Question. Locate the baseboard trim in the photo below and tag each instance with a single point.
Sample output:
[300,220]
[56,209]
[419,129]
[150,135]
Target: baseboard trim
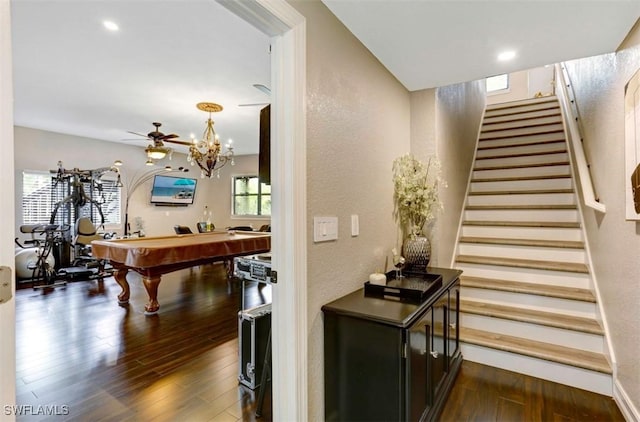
[626,406]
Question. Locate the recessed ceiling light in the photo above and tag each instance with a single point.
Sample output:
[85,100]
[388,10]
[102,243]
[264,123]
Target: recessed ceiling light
[506,55]
[111,26]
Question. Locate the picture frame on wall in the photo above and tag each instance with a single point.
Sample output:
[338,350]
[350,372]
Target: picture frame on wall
[632,147]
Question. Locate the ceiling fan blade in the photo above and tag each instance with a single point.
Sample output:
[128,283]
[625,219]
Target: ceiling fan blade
[253,104]
[139,134]
[262,88]
[169,136]
[187,143]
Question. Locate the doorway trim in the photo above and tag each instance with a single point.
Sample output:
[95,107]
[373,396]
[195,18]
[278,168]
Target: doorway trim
[7,215]
[287,29]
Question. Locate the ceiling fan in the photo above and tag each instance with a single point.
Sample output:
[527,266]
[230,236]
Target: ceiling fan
[156,136]
[157,150]
[262,88]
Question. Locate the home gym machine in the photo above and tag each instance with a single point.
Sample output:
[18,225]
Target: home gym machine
[81,205]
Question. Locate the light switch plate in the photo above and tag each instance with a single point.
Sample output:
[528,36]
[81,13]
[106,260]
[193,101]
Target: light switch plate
[325,229]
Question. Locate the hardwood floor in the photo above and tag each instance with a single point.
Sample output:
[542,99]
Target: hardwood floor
[483,393]
[97,361]
[77,348]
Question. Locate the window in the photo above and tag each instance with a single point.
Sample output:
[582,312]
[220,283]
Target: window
[250,197]
[497,83]
[41,193]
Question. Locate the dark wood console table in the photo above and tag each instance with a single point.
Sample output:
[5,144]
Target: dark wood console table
[391,360]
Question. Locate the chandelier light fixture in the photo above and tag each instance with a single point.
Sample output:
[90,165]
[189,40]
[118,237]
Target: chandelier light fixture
[206,152]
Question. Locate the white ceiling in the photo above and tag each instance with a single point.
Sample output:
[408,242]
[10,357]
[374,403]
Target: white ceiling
[431,43]
[73,76]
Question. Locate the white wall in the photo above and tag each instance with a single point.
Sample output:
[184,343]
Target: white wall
[357,123]
[41,150]
[599,84]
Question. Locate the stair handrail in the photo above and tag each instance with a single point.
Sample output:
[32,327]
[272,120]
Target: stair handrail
[569,106]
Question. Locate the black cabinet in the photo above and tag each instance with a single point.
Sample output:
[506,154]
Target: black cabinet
[388,360]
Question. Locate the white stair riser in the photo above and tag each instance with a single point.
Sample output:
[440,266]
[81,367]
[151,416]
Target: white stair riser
[525,149]
[523,252]
[537,233]
[522,172]
[529,275]
[567,338]
[522,199]
[514,185]
[532,301]
[564,374]
[518,140]
[488,126]
[564,216]
[527,115]
[522,131]
[520,161]
[523,106]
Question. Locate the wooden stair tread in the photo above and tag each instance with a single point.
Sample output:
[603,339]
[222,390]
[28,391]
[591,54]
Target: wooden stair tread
[546,351]
[561,292]
[521,207]
[535,316]
[526,123]
[520,178]
[522,103]
[565,244]
[523,154]
[541,224]
[552,110]
[540,130]
[558,140]
[521,192]
[571,267]
[522,166]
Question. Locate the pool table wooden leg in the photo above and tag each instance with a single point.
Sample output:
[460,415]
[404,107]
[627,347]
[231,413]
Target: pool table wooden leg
[151,285]
[121,278]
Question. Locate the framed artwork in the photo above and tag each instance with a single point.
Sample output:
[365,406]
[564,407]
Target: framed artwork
[632,147]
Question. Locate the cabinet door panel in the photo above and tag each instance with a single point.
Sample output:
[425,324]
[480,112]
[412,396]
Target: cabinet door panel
[454,317]
[438,352]
[418,367]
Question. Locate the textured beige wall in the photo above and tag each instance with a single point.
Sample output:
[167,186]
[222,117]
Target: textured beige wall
[615,243]
[445,123]
[87,153]
[423,123]
[459,111]
[357,123]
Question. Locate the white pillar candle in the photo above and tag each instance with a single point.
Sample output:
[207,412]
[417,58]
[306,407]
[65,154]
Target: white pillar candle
[378,278]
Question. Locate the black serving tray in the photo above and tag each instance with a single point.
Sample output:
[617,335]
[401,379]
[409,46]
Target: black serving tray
[413,287]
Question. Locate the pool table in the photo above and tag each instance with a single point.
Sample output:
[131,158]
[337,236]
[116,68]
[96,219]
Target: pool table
[152,257]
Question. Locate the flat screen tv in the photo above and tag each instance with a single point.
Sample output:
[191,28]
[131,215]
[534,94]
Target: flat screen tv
[171,190]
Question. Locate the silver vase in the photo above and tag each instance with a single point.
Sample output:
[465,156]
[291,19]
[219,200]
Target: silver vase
[417,252]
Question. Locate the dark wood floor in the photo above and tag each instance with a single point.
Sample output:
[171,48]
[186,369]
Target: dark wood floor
[77,348]
[483,393]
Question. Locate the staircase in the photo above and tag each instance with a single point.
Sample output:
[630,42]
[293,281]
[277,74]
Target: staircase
[526,298]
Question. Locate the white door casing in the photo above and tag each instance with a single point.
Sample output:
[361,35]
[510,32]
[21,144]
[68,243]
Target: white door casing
[287,29]
[7,308]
